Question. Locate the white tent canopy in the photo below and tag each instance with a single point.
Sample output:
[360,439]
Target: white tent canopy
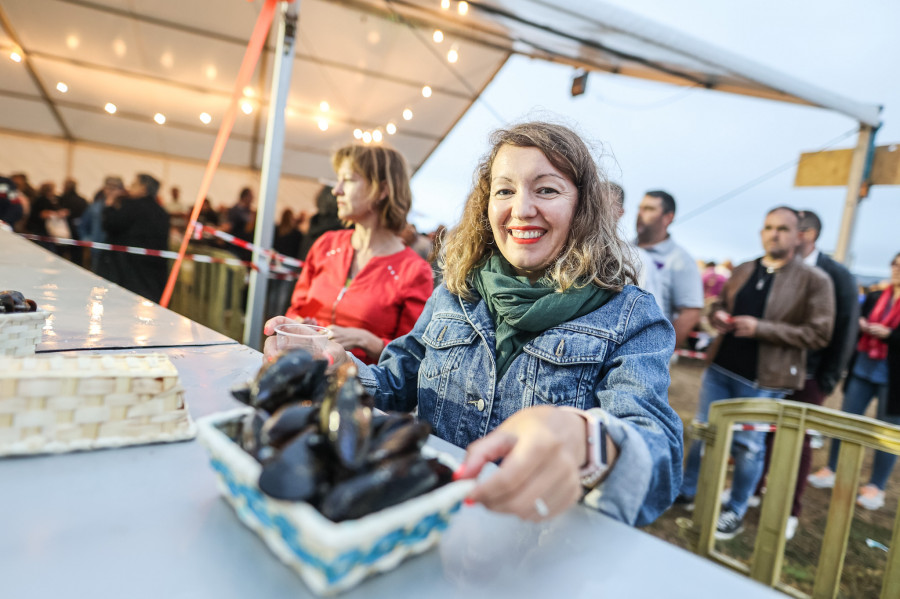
[368,59]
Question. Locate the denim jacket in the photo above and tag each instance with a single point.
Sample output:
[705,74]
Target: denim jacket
[615,358]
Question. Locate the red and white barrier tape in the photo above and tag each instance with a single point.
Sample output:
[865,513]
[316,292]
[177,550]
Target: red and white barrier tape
[687,353]
[229,238]
[276,274]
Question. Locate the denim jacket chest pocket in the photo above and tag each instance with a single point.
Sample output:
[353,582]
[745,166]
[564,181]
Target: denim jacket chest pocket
[564,367]
[441,387]
[444,338]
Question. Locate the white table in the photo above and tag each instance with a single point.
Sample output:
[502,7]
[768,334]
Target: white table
[87,311]
[147,522]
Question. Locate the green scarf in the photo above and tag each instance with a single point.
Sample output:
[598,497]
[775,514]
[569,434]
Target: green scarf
[522,311]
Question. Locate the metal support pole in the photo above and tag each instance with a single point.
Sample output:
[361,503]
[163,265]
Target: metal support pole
[271,171]
[862,156]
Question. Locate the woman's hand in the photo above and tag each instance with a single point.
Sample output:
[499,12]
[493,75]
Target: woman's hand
[352,338]
[543,450]
[270,347]
[879,330]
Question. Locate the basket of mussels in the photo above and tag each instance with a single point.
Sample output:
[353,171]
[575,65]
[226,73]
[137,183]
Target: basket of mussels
[335,488]
[21,324]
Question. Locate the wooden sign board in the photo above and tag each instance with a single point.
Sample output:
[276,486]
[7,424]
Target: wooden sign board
[833,167]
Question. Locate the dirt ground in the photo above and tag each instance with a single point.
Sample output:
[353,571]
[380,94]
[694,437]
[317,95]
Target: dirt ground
[863,567]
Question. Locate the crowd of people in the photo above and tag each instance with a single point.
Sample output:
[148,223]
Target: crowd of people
[535,333]
[116,215]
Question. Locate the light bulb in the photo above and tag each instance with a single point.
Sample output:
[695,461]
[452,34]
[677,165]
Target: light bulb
[357,133]
[62,87]
[367,137]
[426,91]
[391,128]
[438,36]
[462,8]
[445,4]
[15,56]
[160,118]
[323,124]
[324,106]
[110,108]
[205,118]
[452,55]
[407,114]
[377,135]
[247,107]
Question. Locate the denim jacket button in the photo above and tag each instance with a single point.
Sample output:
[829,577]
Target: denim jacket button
[480,405]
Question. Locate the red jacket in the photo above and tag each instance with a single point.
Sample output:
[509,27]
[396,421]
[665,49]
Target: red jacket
[386,297]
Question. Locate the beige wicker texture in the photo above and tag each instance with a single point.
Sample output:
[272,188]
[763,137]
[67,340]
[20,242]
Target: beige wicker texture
[52,404]
[20,332]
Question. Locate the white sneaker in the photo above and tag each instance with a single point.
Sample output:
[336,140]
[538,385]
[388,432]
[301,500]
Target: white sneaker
[870,497]
[822,479]
[791,528]
[754,500]
[816,440]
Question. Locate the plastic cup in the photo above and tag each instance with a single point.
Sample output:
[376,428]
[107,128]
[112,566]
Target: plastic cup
[309,337]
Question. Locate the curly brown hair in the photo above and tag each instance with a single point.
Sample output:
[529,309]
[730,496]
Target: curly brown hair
[594,252]
[383,168]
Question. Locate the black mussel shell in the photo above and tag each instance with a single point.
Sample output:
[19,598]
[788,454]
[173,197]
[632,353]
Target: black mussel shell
[379,419]
[14,301]
[397,437]
[443,471]
[242,393]
[345,420]
[251,427]
[297,473]
[9,299]
[294,376]
[288,421]
[392,482]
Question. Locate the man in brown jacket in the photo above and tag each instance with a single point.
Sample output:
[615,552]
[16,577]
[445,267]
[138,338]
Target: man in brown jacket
[771,311]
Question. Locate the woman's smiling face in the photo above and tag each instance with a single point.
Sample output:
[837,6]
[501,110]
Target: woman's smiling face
[530,209]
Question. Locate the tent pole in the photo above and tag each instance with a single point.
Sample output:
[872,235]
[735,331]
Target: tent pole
[271,171]
[862,156]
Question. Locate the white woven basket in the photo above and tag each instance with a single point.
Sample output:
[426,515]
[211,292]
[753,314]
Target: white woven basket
[330,557]
[54,403]
[20,332]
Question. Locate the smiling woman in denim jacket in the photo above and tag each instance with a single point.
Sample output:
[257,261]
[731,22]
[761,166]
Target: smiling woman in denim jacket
[536,313]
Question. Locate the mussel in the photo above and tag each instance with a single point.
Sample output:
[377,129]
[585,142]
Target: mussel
[298,472]
[400,434]
[13,301]
[392,482]
[294,376]
[345,417]
[288,421]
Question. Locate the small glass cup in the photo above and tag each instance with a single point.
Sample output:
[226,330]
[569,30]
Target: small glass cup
[310,337]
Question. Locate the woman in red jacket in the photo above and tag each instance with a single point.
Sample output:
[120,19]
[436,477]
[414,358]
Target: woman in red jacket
[874,373]
[363,283]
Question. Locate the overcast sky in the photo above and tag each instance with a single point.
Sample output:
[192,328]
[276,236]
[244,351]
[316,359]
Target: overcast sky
[701,145]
